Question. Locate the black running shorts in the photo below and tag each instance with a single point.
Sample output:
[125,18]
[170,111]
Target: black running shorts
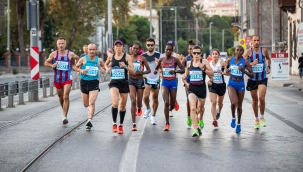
[153,86]
[121,85]
[138,83]
[253,85]
[198,90]
[219,89]
[89,85]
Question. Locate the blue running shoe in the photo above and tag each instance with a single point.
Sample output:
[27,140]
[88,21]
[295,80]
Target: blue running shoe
[233,123]
[238,128]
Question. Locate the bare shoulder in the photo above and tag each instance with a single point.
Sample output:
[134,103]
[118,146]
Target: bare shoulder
[205,61]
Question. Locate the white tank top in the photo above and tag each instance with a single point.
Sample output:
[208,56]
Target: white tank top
[217,78]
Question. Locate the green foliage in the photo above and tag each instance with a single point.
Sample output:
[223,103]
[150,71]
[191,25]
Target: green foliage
[15,71]
[231,51]
[182,46]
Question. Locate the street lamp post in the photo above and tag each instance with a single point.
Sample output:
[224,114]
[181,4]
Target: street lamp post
[150,19]
[176,43]
[161,30]
[8,25]
[210,47]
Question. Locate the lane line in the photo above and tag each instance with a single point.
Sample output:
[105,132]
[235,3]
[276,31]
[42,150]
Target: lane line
[130,154]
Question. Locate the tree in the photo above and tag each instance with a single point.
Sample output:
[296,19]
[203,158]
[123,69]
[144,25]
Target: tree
[76,17]
[199,13]
[20,7]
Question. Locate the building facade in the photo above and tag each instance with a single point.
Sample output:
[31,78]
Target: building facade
[221,10]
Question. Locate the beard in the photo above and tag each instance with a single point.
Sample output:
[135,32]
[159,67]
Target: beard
[150,50]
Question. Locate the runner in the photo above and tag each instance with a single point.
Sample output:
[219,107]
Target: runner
[130,49]
[118,85]
[169,83]
[152,81]
[85,51]
[197,69]
[89,67]
[236,86]
[260,62]
[136,83]
[60,61]
[178,56]
[186,60]
[216,85]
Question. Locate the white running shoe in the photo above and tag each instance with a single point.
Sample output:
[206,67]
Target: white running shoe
[146,113]
[153,120]
[171,114]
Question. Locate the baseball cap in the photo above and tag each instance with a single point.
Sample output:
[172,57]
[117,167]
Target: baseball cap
[118,41]
[170,42]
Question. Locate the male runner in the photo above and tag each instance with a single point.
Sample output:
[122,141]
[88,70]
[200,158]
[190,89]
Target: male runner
[152,81]
[260,63]
[60,61]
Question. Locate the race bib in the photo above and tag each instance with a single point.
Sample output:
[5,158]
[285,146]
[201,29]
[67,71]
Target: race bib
[91,70]
[166,73]
[258,68]
[61,65]
[195,75]
[118,73]
[136,66]
[217,78]
[235,71]
[152,81]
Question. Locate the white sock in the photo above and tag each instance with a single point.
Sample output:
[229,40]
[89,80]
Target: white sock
[134,124]
[89,119]
[262,116]
[64,116]
[257,118]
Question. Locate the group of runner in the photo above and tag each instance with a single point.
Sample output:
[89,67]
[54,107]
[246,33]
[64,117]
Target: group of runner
[139,76]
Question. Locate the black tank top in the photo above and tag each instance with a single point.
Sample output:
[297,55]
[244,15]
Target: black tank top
[119,73]
[196,75]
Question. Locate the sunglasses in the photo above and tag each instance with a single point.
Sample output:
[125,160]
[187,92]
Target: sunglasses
[196,52]
[150,45]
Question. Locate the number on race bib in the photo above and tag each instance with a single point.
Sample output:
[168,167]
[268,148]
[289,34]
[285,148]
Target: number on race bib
[62,65]
[235,71]
[217,78]
[166,72]
[258,68]
[118,73]
[92,71]
[195,76]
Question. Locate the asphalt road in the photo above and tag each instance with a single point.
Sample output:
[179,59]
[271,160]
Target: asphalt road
[277,147]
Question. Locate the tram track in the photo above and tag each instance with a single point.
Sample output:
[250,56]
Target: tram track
[59,140]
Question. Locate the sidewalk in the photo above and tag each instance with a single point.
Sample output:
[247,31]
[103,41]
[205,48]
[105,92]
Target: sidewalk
[24,75]
[294,81]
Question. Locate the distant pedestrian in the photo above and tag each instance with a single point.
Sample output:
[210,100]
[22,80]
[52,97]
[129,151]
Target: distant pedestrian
[85,51]
[301,65]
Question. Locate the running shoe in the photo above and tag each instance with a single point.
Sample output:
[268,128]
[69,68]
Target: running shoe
[138,112]
[120,129]
[215,123]
[201,124]
[134,127]
[233,123]
[64,120]
[89,125]
[195,133]
[146,113]
[263,122]
[238,128]
[189,123]
[166,128]
[218,115]
[200,132]
[257,124]
[176,106]
[115,128]
[153,120]
[171,114]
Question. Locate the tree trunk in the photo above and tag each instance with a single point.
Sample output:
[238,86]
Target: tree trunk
[41,21]
[71,38]
[20,28]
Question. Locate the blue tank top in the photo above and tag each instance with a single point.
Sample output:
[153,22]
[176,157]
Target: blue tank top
[260,68]
[92,67]
[233,68]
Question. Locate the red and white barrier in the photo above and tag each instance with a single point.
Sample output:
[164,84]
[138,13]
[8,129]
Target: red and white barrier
[34,60]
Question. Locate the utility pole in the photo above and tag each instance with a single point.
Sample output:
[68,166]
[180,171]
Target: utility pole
[161,31]
[8,25]
[272,27]
[222,40]
[197,31]
[176,43]
[150,19]
[109,26]
[241,7]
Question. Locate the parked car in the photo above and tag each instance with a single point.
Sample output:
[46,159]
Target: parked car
[223,56]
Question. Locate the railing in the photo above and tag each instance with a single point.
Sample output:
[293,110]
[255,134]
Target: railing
[31,87]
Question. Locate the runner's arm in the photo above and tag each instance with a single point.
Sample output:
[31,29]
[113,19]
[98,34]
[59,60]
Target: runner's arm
[48,61]
[102,66]
[78,65]
[147,71]
[207,69]
[74,56]
[268,60]
[158,64]
[248,67]
[181,66]
[108,60]
[130,66]
[185,75]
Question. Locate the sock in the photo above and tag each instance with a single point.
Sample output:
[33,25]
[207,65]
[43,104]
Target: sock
[195,127]
[262,116]
[201,118]
[122,115]
[64,116]
[89,119]
[257,118]
[134,123]
[153,115]
[114,114]
[139,110]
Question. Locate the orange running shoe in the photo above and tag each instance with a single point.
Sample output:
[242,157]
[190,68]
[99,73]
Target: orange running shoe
[134,127]
[120,129]
[176,106]
[115,128]
[166,128]
[139,113]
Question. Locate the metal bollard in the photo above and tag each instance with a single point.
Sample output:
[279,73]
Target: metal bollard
[74,84]
[77,82]
[44,88]
[22,89]
[36,91]
[21,99]
[10,95]
[0,105]
[51,88]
